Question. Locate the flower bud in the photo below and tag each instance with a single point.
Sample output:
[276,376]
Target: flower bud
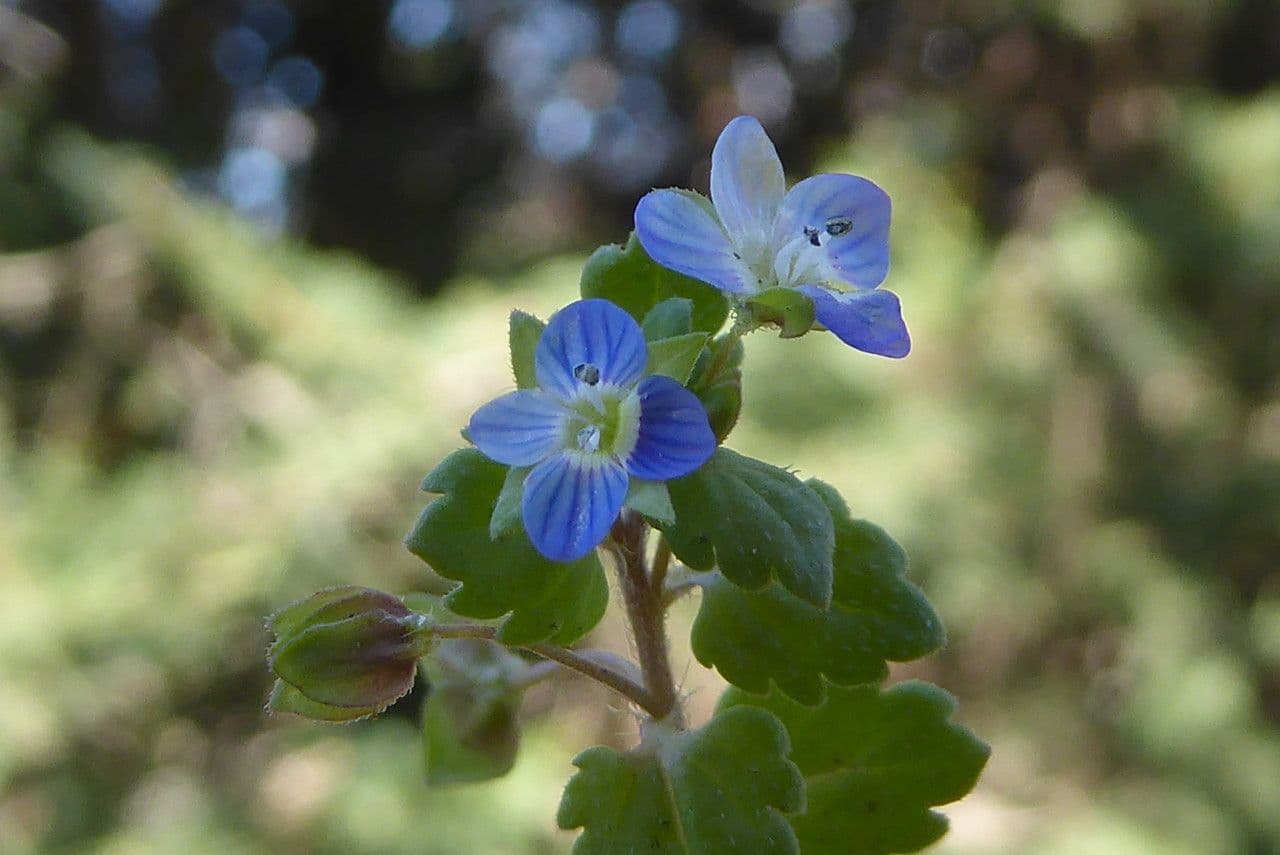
[343,653]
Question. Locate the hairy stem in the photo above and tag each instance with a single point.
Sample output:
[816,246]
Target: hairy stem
[661,563]
[645,613]
[598,671]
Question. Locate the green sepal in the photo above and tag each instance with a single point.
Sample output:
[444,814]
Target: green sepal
[669,318]
[523,332]
[721,395]
[790,309]
[716,790]
[287,699]
[874,763]
[507,511]
[469,722]
[628,277]
[758,522]
[547,600]
[675,357]
[652,499]
[876,616]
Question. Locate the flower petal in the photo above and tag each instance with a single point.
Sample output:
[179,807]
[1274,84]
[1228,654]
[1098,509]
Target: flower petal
[675,437]
[680,231]
[747,184]
[518,429]
[589,333]
[870,321]
[849,218]
[570,501]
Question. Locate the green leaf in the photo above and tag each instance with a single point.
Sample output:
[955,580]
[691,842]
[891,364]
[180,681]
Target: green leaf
[547,600]
[716,790]
[669,318]
[507,512]
[628,277]
[790,309]
[753,637]
[651,499]
[286,699]
[874,763]
[758,522]
[469,721]
[523,333]
[675,357]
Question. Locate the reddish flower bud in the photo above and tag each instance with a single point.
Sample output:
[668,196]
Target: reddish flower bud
[343,653]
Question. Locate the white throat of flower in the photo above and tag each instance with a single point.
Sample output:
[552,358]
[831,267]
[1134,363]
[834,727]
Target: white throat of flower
[602,419]
[794,260]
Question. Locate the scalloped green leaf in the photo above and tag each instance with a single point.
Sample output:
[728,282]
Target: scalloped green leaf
[876,616]
[874,763]
[546,600]
[716,790]
[469,722]
[628,277]
[523,332]
[675,357]
[757,522]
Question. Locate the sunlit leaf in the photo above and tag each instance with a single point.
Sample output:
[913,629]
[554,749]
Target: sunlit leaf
[754,637]
[758,522]
[546,599]
[874,763]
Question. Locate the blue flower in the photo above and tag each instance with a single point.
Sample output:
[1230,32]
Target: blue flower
[828,236]
[590,426]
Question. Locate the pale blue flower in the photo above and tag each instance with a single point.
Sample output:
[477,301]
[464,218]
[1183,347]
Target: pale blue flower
[594,422]
[827,236]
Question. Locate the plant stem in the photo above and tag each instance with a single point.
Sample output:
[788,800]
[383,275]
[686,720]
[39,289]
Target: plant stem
[598,671]
[645,613]
[661,562]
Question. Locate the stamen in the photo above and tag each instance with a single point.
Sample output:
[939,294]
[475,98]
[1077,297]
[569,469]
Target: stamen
[587,373]
[837,226]
[812,234]
[589,438]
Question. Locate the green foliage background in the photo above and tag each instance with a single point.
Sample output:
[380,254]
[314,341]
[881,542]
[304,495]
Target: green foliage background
[1081,457]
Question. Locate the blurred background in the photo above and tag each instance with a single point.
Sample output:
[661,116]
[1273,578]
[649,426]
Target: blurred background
[256,259]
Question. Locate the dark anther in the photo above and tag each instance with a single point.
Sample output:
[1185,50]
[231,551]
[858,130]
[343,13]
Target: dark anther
[837,226]
[587,373]
[812,234]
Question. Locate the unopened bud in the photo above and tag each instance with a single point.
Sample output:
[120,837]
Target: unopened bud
[351,651]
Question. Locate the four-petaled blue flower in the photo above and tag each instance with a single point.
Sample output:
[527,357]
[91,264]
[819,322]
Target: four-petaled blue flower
[592,424]
[828,237]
